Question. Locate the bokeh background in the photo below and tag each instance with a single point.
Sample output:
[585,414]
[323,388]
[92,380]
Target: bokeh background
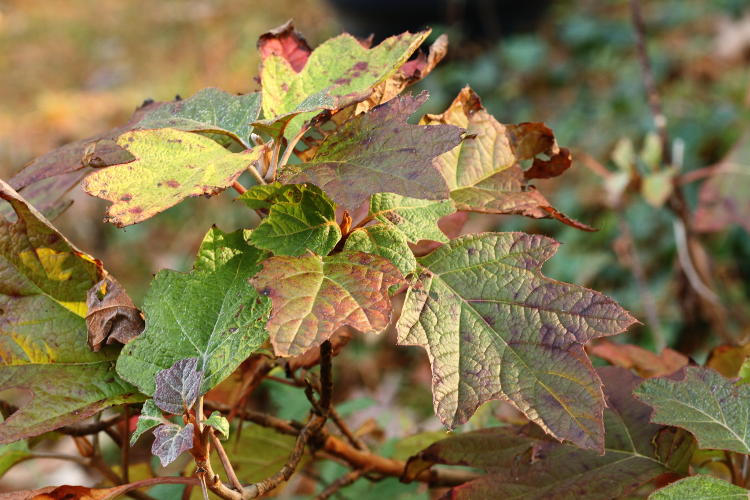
[71,68]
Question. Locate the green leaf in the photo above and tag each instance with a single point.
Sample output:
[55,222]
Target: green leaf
[43,336]
[416,219]
[170,165]
[713,408]
[378,152]
[260,453]
[149,418]
[523,463]
[178,387]
[209,110]
[314,296]
[171,440]
[483,173]
[340,66]
[218,248]
[12,453]
[385,241]
[701,487]
[306,223]
[214,315]
[263,196]
[219,423]
[518,336]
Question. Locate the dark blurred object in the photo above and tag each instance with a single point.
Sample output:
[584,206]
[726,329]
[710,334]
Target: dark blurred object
[476,20]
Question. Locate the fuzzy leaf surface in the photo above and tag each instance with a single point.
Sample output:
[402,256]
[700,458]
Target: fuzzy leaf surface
[701,487]
[483,172]
[171,440]
[416,219]
[170,165]
[713,408]
[340,66]
[218,248]
[219,423]
[519,336]
[305,223]
[385,241]
[314,296]
[379,152]
[149,418]
[43,336]
[178,387]
[522,463]
[213,315]
[209,110]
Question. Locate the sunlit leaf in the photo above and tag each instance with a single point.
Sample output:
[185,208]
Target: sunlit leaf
[495,327]
[701,487]
[314,296]
[219,423]
[644,362]
[170,165]
[416,219]
[384,241]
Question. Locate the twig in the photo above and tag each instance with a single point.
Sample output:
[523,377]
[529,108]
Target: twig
[239,188]
[271,174]
[125,446]
[326,376]
[225,462]
[89,428]
[339,483]
[291,145]
[348,434]
[691,273]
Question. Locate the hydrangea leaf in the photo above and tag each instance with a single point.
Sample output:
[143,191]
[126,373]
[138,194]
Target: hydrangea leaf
[523,463]
[305,223]
[218,248]
[170,165]
[713,408]
[214,315]
[149,418]
[263,196]
[701,487]
[209,110]
[171,440]
[385,241]
[261,452]
[340,66]
[286,42]
[43,335]
[483,172]
[519,336]
[12,453]
[178,387]
[314,296]
[219,423]
[416,219]
[379,152]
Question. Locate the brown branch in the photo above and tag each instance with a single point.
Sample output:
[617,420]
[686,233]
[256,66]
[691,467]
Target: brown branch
[225,462]
[344,428]
[89,428]
[339,483]
[239,188]
[125,448]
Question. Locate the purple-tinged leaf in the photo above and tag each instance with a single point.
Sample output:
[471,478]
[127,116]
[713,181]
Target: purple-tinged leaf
[171,440]
[178,387]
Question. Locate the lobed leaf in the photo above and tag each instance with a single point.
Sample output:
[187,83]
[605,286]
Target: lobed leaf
[305,223]
[219,423]
[416,219]
[212,314]
[518,335]
[43,335]
[340,66]
[379,152]
[701,487]
[171,441]
[170,165]
[314,296]
[384,241]
[178,387]
[149,418]
[218,248]
[522,463]
[713,408]
[483,173]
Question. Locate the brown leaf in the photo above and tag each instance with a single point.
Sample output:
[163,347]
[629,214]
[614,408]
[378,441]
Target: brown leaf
[112,317]
[644,362]
[728,359]
[286,42]
[65,492]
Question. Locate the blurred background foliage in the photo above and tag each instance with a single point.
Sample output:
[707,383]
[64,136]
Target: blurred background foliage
[71,68]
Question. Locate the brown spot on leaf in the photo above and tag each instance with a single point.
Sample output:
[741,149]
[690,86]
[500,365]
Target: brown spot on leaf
[126,197]
[135,210]
[173,183]
[361,66]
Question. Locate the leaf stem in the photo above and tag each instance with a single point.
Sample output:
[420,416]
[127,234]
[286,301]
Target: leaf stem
[291,145]
[125,446]
[225,462]
[271,174]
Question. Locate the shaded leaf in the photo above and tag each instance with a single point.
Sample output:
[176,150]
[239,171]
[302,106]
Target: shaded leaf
[219,423]
[728,359]
[701,487]
[416,219]
[384,241]
[305,223]
[714,409]
[112,317]
[12,453]
[340,66]
[260,452]
[522,463]
[379,152]
[214,315]
[209,110]
[264,196]
[43,348]
[178,387]
[723,199]
[314,296]
[657,187]
[644,362]
[483,173]
[519,336]
[171,440]
[66,492]
[149,418]
[170,165]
